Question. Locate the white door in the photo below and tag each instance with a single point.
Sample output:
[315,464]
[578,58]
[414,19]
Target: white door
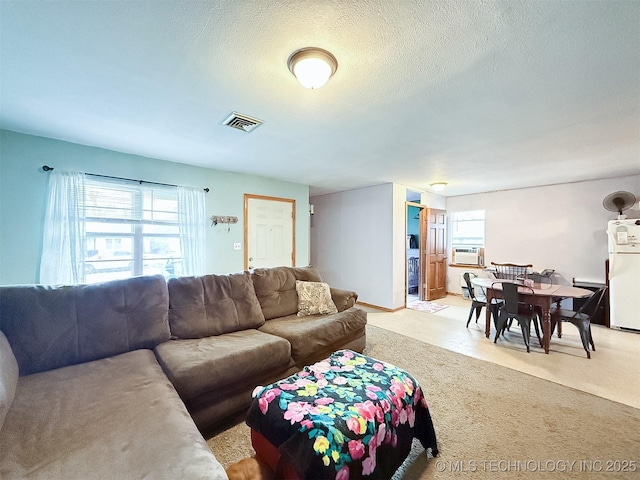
[269,232]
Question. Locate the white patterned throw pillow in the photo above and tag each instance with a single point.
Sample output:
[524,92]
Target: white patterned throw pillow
[314,298]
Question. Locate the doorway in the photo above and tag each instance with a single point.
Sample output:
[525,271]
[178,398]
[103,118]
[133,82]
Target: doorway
[413,252]
[269,234]
[434,252]
[425,264]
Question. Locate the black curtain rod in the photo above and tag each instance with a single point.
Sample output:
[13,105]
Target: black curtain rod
[47,168]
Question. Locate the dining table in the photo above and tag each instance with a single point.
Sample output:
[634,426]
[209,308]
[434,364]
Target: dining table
[544,294]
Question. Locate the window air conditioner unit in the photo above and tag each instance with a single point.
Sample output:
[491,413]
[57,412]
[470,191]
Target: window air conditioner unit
[466,255]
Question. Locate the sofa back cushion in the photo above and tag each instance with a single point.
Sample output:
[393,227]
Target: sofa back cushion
[212,305]
[8,377]
[276,288]
[50,327]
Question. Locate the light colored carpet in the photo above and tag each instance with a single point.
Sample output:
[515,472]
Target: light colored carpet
[494,422]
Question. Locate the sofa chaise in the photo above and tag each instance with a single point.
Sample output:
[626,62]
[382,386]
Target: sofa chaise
[120,379]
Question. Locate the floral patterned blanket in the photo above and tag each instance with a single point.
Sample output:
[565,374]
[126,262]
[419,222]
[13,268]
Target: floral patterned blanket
[348,416]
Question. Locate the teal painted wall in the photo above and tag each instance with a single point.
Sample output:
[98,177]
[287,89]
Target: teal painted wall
[413,223]
[23,190]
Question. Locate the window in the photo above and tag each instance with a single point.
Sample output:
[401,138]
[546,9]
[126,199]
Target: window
[98,230]
[130,230]
[467,229]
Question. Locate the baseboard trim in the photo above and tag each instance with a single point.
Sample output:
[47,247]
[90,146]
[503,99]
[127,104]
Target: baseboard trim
[377,307]
[391,310]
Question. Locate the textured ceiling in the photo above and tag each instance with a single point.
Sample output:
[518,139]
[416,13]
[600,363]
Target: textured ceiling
[483,95]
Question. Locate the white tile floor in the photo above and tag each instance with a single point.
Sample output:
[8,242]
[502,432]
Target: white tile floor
[613,372]
[412,298]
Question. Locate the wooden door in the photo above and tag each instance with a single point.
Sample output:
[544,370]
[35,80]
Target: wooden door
[269,232]
[422,289]
[435,224]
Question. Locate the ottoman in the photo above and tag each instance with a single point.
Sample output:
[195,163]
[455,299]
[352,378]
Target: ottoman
[348,416]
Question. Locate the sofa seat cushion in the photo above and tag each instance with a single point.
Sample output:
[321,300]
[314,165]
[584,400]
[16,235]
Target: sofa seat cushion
[212,305]
[198,366]
[276,288]
[311,334]
[119,417]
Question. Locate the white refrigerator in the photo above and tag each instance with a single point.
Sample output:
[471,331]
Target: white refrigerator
[624,273]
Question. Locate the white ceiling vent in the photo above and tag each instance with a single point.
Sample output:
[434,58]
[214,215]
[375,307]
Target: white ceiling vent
[241,122]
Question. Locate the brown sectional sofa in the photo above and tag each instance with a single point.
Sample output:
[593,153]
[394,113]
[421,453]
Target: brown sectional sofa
[312,338]
[118,380]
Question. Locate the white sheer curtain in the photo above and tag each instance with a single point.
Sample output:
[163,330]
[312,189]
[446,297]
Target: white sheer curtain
[192,221]
[63,241]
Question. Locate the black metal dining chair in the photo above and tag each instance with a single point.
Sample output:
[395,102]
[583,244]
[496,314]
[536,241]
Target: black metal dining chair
[514,308]
[511,271]
[479,300]
[581,318]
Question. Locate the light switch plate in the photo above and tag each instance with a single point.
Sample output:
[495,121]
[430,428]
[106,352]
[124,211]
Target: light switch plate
[237,246]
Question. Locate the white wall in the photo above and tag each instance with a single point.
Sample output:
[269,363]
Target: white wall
[352,244]
[430,200]
[558,226]
[433,200]
[358,241]
[399,245]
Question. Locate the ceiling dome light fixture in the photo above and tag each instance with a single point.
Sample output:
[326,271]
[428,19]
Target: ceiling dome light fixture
[313,67]
[438,186]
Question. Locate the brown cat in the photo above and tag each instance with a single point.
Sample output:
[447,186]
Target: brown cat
[250,469]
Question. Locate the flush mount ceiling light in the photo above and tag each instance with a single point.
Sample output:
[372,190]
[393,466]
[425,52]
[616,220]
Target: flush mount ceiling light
[438,186]
[312,66]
